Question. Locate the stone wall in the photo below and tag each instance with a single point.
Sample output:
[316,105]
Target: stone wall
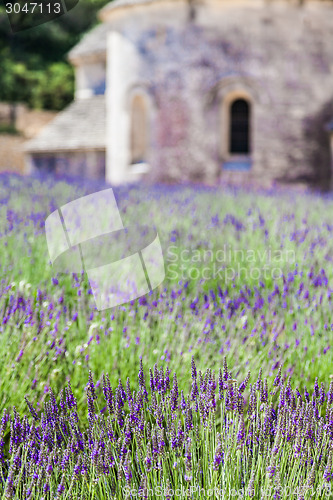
[279,54]
[90,79]
[89,164]
[28,123]
[11,153]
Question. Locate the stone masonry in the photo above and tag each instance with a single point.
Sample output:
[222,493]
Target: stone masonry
[191,60]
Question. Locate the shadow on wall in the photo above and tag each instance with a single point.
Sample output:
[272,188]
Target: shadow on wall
[319,152]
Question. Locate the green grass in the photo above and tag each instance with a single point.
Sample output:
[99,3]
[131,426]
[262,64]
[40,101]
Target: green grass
[248,278]
[169,332]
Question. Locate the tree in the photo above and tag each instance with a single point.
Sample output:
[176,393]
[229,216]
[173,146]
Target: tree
[34,68]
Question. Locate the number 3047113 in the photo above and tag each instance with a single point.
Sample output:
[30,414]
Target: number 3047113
[30,8]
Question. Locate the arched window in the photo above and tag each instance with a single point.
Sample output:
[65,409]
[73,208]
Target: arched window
[240,127]
[139,130]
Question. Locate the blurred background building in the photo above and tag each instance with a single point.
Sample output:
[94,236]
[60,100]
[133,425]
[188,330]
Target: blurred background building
[199,90]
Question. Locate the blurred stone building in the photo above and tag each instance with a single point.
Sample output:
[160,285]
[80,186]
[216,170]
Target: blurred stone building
[199,90]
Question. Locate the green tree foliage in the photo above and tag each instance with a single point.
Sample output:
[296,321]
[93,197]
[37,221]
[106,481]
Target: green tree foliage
[33,63]
[55,87]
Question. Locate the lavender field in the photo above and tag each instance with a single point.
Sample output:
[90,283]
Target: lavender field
[217,384]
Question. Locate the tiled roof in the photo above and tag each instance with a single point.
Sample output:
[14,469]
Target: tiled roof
[80,126]
[93,42]
[124,3]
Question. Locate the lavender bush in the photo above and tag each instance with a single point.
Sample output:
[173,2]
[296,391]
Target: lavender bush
[50,328]
[242,439]
[221,438]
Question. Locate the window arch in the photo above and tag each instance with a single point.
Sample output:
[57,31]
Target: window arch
[239,124]
[138,129]
[236,140]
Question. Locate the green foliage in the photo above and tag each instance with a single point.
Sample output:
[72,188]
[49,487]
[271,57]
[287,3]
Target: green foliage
[34,69]
[15,80]
[262,331]
[55,87]
[52,88]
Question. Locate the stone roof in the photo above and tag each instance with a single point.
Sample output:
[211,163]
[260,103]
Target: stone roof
[80,126]
[92,43]
[116,4]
